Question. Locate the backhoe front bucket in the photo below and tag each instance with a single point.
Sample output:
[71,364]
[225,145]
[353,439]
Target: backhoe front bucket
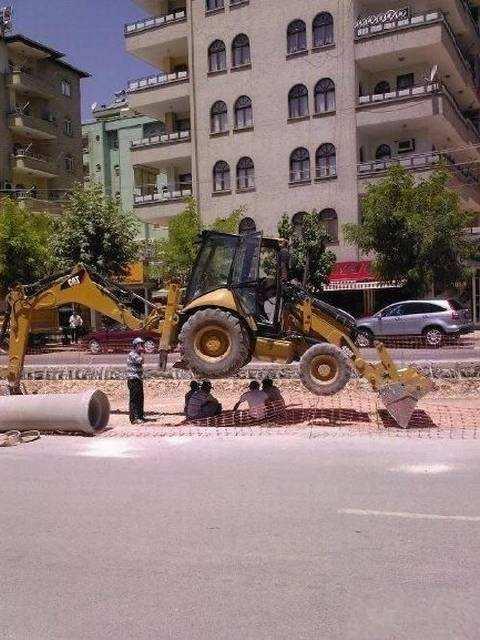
[399,389]
[401,398]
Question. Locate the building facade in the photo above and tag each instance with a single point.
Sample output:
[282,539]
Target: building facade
[285,107]
[40,123]
[107,151]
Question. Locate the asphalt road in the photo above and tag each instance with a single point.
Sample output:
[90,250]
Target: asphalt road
[254,538]
[468,351]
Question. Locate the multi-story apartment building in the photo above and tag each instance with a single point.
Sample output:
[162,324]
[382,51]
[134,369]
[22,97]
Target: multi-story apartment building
[40,123]
[294,106]
[107,151]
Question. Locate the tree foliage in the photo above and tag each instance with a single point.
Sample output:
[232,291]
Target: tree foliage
[415,230]
[25,245]
[95,231]
[310,262]
[176,254]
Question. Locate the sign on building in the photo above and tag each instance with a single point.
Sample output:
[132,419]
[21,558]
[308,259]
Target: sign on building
[392,15]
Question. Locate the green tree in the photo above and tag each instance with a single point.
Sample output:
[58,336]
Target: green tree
[95,231]
[310,262]
[415,230]
[25,245]
[176,254]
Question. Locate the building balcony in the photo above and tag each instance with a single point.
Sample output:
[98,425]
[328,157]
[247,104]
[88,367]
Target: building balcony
[28,84]
[49,201]
[32,126]
[429,107]
[154,205]
[154,95]
[424,38]
[161,149]
[148,39]
[464,179]
[459,15]
[34,164]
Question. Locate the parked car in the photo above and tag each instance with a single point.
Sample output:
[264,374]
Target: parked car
[433,320]
[118,339]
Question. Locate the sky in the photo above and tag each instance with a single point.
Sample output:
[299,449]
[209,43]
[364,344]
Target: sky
[90,33]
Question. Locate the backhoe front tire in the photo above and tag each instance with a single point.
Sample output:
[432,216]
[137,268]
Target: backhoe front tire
[214,343]
[324,369]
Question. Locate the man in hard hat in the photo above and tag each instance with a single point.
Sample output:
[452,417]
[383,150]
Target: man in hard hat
[135,381]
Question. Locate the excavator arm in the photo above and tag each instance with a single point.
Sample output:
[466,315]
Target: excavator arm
[79,287]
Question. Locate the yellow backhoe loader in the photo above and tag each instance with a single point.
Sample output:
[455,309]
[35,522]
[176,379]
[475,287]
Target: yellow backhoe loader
[238,305]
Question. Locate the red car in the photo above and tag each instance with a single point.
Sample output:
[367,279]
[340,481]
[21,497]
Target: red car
[118,339]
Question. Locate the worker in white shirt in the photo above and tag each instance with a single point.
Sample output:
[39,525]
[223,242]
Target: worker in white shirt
[256,400]
[76,323]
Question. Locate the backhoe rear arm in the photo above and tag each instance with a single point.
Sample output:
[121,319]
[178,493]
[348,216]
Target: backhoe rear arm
[77,287]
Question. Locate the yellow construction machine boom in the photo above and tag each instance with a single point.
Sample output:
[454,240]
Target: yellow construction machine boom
[78,287]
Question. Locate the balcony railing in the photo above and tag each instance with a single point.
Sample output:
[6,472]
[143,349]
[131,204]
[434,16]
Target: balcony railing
[23,153]
[44,195]
[417,162]
[417,20]
[158,80]
[165,138]
[297,176]
[418,91]
[156,22]
[325,172]
[32,82]
[153,194]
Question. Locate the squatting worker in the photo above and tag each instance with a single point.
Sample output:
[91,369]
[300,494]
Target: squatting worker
[256,400]
[194,386]
[135,381]
[275,399]
[203,404]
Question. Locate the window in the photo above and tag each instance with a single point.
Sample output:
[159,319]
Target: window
[243,113]
[66,88]
[68,127]
[211,5]
[324,96]
[245,174]
[326,161]
[240,51]
[323,30]
[116,169]
[382,87]
[298,101]
[383,152]
[419,308]
[296,36]
[406,81]
[247,225]
[221,176]
[297,222]
[329,219]
[218,117]
[69,163]
[300,165]
[112,139]
[217,56]
[98,168]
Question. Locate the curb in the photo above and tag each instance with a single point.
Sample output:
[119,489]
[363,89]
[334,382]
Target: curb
[435,370]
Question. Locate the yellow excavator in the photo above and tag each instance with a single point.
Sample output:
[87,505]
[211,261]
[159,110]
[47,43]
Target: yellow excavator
[238,305]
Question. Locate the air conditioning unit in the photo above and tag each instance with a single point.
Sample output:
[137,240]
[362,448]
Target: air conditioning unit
[406,146]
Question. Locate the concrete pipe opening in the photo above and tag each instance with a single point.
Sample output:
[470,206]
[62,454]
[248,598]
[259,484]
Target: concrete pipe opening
[98,411]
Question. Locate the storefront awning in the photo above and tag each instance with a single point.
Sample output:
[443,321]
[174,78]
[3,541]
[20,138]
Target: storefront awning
[356,276]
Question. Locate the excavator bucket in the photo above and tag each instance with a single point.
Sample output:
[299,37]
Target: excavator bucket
[399,389]
[401,398]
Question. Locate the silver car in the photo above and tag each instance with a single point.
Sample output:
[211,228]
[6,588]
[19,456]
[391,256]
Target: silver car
[433,320]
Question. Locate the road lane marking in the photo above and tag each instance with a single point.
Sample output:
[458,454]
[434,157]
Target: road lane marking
[424,468]
[407,515]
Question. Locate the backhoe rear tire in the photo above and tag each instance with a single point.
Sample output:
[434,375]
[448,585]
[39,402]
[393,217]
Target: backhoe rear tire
[214,343]
[324,369]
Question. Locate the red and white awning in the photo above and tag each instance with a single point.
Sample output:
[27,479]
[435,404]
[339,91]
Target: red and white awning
[356,276]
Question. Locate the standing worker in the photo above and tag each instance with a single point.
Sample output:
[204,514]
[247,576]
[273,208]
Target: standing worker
[76,323]
[135,381]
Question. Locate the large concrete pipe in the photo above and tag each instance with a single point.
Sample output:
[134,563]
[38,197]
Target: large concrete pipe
[87,412]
